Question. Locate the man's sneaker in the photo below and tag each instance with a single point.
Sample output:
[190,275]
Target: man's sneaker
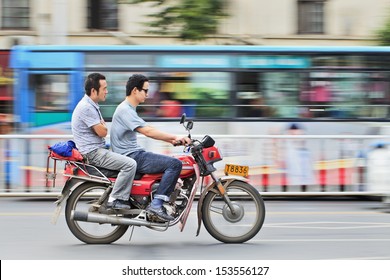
[160,212]
[118,204]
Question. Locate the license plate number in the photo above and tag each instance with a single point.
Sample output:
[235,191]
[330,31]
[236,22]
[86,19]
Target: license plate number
[233,169]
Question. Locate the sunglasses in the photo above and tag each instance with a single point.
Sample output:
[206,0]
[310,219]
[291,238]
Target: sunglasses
[144,89]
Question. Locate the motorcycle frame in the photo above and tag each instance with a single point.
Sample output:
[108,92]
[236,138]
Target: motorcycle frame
[73,181]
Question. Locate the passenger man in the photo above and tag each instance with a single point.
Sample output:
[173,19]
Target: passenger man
[89,130]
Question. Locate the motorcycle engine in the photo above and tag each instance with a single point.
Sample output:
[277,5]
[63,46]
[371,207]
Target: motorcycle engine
[142,200]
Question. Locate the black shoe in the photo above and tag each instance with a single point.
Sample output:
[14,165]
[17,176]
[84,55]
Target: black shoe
[161,213]
[118,204]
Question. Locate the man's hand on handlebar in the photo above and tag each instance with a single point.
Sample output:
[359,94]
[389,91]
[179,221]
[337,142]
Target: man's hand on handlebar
[182,141]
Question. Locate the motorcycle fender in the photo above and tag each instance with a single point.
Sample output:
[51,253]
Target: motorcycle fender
[212,187]
[65,193]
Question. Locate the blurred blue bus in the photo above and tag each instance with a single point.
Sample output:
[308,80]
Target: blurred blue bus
[228,85]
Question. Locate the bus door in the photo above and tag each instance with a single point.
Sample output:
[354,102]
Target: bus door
[269,94]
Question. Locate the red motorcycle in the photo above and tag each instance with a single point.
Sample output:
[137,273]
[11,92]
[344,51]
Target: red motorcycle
[231,209]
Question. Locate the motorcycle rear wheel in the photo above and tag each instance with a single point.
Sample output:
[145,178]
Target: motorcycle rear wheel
[241,226]
[82,199]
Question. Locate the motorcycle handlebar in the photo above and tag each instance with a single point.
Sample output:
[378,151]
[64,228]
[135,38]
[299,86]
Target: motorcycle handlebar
[183,143]
[178,143]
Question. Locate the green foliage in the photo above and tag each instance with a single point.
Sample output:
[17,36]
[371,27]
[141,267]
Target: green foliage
[188,19]
[383,34]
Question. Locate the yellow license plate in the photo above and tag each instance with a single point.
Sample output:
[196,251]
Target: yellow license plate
[233,169]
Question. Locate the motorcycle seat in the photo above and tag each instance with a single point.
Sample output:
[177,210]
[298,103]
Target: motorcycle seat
[109,173]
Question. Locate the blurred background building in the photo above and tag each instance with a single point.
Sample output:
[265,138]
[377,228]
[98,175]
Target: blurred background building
[263,65]
[257,22]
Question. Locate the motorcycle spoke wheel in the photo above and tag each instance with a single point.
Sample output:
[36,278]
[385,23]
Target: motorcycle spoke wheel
[236,226]
[82,199]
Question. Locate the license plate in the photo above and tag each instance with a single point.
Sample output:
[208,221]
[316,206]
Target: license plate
[233,169]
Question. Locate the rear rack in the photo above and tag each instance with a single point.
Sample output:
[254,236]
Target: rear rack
[72,169]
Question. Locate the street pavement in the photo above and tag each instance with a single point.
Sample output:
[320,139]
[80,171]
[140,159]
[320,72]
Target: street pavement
[294,229]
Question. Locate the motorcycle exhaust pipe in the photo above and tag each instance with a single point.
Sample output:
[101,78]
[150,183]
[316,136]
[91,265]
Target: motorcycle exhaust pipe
[105,219]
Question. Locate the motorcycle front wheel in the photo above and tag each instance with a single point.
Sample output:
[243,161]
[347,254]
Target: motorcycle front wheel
[82,199]
[238,226]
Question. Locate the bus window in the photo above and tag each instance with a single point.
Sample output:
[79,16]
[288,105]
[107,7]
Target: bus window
[376,89]
[269,94]
[116,93]
[51,92]
[198,94]
[347,94]
[249,96]
[281,92]
[210,92]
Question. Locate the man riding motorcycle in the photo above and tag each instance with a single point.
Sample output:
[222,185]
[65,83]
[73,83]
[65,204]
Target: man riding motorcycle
[125,125]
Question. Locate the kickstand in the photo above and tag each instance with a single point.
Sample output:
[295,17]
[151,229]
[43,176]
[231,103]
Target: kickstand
[131,234]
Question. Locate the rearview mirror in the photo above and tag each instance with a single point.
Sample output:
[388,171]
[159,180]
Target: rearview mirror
[183,118]
[190,124]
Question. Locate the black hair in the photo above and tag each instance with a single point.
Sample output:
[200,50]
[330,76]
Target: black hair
[135,81]
[93,81]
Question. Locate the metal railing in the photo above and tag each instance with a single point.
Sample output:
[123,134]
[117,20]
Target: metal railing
[323,164]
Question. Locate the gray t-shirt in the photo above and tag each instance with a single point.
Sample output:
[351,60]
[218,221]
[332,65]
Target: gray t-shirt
[84,117]
[123,135]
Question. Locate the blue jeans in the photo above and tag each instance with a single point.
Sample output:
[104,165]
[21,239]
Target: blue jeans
[114,161]
[149,163]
